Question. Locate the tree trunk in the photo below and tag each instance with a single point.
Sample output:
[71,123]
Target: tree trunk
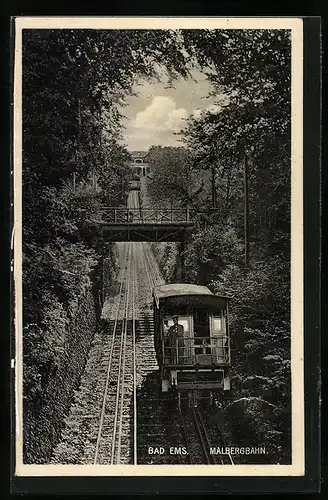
[246,211]
[213,187]
[228,190]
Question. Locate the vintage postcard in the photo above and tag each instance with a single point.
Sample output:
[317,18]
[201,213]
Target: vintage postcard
[158,246]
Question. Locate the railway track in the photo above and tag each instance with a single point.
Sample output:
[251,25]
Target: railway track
[195,439]
[131,355]
[121,411]
[157,412]
[217,438]
[203,436]
[114,444]
[196,429]
[200,437]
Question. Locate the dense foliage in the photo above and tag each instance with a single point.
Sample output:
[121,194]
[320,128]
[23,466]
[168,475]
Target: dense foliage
[74,82]
[250,76]
[170,180]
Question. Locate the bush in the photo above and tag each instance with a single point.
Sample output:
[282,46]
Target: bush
[260,294]
[211,249]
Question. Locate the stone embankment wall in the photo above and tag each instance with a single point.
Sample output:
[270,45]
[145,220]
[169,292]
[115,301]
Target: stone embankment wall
[44,422]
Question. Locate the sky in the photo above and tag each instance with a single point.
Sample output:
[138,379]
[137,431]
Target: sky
[158,112]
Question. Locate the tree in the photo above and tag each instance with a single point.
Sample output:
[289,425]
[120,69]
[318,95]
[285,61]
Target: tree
[171,181]
[74,82]
[246,65]
[250,74]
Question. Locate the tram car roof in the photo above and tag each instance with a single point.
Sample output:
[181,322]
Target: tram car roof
[187,290]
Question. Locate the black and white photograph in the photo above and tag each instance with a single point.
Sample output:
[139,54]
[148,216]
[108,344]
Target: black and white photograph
[158,246]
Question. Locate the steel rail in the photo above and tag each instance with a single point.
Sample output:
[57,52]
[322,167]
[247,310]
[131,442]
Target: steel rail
[121,375]
[121,365]
[185,434]
[151,268]
[102,413]
[224,446]
[132,303]
[135,204]
[220,456]
[120,402]
[154,264]
[134,358]
[146,266]
[203,436]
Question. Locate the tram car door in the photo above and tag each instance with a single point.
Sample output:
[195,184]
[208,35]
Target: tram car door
[185,351]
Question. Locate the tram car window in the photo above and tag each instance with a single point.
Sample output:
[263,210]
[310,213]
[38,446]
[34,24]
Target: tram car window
[192,339]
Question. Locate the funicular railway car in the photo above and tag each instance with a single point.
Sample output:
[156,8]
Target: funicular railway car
[192,340]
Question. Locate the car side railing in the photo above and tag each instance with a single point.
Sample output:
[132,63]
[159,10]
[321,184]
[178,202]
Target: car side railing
[214,350]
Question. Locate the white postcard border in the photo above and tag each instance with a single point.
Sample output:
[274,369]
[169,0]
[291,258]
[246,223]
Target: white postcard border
[297,307]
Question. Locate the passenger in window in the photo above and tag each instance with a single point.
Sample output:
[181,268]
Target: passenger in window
[176,339]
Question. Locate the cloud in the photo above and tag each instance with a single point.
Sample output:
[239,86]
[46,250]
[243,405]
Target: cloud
[197,113]
[212,108]
[161,115]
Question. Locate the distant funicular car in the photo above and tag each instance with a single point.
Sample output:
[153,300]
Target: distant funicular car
[196,358]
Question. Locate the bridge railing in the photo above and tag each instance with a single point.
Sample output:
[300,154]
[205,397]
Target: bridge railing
[120,215]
